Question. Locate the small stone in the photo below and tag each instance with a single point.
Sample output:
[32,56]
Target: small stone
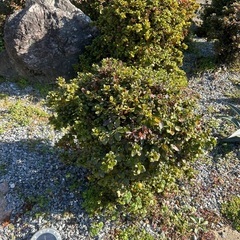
[12,185]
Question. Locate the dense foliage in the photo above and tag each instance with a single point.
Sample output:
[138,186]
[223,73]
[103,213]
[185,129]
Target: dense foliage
[231,210]
[133,128]
[6,8]
[221,21]
[143,33]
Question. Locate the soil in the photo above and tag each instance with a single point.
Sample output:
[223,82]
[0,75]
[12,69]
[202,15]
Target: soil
[227,233]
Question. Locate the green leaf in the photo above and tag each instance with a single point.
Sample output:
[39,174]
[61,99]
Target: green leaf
[118,136]
[234,108]
[233,120]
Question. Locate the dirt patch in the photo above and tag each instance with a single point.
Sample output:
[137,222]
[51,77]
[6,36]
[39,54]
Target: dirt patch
[227,233]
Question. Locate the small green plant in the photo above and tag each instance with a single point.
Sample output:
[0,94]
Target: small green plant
[235,137]
[36,204]
[231,210]
[3,96]
[22,83]
[2,130]
[179,222]
[96,228]
[20,113]
[133,233]
[23,114]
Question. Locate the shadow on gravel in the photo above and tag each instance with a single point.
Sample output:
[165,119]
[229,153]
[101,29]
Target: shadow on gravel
[232,100]
[40,185]
[226,148]
[199,57]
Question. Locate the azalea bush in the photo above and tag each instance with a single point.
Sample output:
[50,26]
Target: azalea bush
[128,117]
[143,33]
[221,22]
[133,128]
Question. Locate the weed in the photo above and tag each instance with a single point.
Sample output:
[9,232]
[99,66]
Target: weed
[15,113]
[38,202]
[211,109]
[134,233]
[3,96]
[23,114]
[22,83]
[96,228]
[179,221]
[3,169]
[231,210]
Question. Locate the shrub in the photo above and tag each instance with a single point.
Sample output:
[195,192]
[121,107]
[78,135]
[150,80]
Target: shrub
[145,33]
[6,8]
[221,21]
[231,210]
[132,128]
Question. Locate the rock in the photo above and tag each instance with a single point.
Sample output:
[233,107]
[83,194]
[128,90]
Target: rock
[44,40]
[5,213]
[7,68]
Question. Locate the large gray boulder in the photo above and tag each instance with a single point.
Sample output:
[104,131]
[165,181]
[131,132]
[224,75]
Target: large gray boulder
[44,40]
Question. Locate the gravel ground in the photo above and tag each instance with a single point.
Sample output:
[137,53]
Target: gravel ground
[43,192]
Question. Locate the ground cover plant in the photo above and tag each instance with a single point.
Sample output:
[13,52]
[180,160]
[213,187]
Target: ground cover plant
[231,209]
[20,113]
